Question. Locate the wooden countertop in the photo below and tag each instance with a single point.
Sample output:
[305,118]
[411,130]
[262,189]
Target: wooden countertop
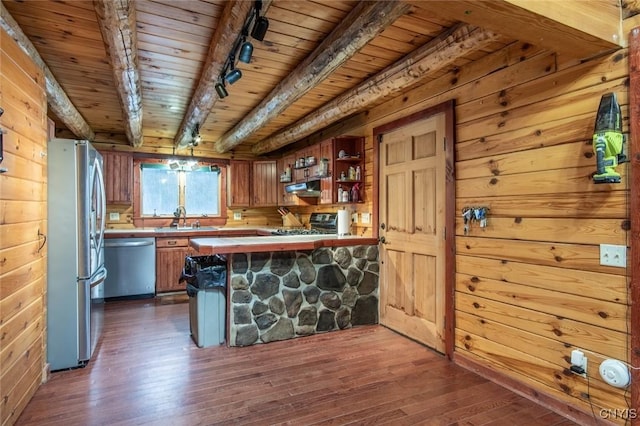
[255,244]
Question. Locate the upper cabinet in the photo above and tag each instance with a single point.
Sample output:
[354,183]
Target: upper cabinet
[307,166]
[238,183]
[337,162]
[265,184]
[348,169]
[252,183]
[118,172]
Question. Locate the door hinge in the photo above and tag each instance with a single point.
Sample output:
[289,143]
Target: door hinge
[380,138]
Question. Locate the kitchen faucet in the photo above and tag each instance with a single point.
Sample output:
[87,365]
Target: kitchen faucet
[181,210]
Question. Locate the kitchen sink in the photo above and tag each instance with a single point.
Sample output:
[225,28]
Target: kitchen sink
[186,228]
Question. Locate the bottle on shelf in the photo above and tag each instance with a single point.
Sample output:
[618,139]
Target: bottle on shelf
[352,173]
[358,173]
[355,193]
[345,196]
[340,192]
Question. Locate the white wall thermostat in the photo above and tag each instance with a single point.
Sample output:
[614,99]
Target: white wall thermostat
[615,373]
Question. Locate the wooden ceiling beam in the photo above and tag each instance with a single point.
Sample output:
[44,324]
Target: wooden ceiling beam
[359,27]
[204,98]
[57,99]
[117,21]
[580,29]
[428,59]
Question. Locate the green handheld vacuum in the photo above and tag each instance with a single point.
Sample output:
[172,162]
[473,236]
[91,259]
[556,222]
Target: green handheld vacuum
[608,140]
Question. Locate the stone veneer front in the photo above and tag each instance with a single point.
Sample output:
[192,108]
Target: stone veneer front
[286,294]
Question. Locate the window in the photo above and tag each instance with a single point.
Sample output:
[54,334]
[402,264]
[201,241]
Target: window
[163,187]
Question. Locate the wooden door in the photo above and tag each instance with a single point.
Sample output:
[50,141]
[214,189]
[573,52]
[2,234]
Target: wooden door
[412,221]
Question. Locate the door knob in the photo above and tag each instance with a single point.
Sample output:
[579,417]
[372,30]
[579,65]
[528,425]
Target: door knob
[382,240]
[382,225]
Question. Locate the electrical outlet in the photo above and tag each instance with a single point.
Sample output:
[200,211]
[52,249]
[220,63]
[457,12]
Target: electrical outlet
[365,218]
[354,218]
[237,216]
[613,255]
[114,216]
[580,361]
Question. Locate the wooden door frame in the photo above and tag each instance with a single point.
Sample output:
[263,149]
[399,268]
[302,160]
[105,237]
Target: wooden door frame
[634,208]
[448,108]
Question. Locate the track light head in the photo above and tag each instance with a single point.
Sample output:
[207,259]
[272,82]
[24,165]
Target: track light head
[221,90]
[245,51]
[234,75]
[260,28]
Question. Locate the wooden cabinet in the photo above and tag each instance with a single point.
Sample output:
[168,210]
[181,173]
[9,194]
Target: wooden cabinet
[170,254]
[305,171]
[348,167]
[326,182]
[252,183]
[265,184]
[238,183]
[118,177]
[285,198]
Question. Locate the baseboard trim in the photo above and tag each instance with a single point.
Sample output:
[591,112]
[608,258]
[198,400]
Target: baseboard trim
[569,411]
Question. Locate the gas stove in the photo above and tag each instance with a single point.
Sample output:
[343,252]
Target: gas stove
[320,223]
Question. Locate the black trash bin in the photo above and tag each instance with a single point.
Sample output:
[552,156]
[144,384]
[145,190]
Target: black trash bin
[206,278]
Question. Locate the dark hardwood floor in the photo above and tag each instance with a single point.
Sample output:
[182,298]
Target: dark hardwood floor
[149,371]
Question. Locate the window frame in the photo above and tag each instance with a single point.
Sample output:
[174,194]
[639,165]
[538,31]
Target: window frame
[140,221]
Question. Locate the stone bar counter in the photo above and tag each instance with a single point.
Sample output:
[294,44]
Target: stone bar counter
[285,287]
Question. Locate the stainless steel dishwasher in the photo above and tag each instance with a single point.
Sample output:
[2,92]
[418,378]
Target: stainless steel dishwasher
[131,268]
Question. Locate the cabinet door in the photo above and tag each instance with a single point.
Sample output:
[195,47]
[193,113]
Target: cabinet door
[265,183]
[238,192]
[169,264]
[326,183]
[118,177]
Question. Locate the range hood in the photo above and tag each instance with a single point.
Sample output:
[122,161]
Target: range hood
[304,189]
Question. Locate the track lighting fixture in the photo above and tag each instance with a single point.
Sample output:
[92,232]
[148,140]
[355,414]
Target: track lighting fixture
[234,75]
[261,25]
[195,135]
[246,50]
[221,90]
[242,49]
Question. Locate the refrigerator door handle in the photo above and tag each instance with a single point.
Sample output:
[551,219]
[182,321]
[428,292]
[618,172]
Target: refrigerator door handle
[103,204]
[98,277]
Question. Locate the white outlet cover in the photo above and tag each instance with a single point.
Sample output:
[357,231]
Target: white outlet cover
[114,216]
[365,217]
[613,255]
[354,217]
[237,216]
[615,373]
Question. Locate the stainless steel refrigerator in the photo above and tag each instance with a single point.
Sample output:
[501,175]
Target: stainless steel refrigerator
[75,268]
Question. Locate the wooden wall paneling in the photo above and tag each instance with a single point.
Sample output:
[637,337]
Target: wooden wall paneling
[572,256]
[23,208]
[525,149]
[595,204]
[634,237]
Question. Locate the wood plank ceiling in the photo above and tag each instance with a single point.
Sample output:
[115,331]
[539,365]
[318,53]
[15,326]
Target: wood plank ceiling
[142,73]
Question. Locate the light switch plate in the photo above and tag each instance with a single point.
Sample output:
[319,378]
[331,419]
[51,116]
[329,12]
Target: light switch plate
[365,217]
[613,255]
[114,216]
[237,216]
